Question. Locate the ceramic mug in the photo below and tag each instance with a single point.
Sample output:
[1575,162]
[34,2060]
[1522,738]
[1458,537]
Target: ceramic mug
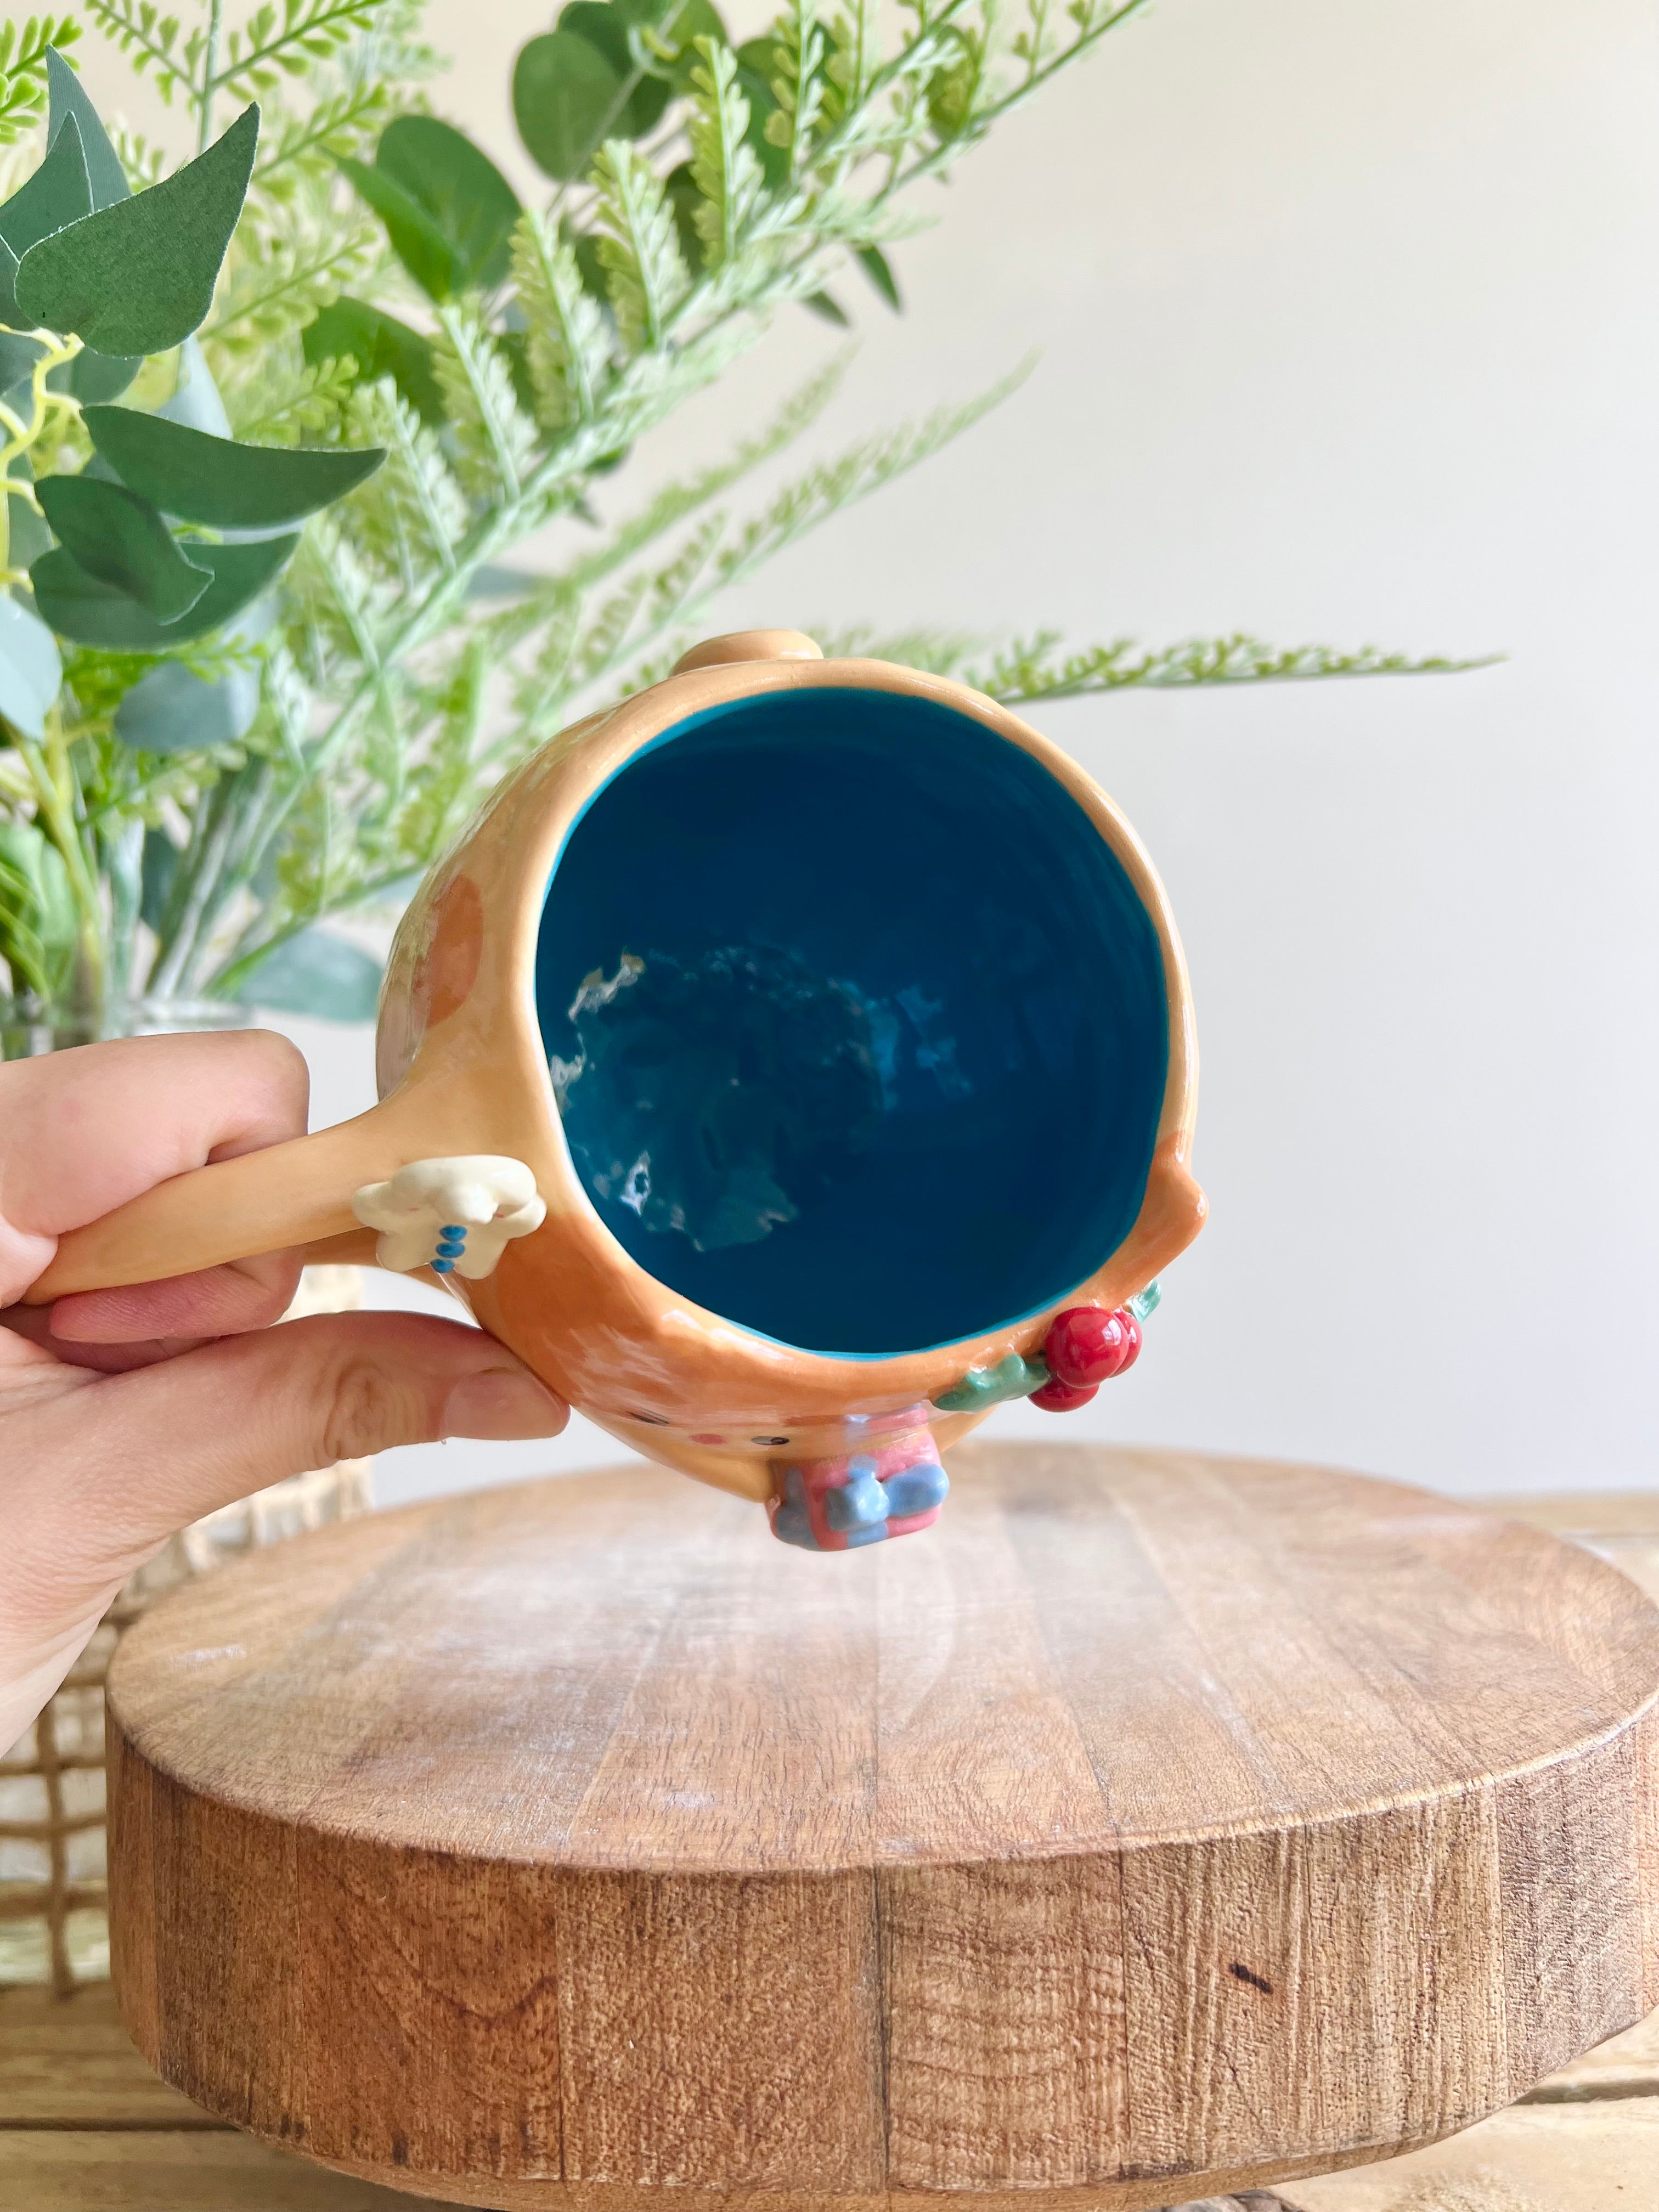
[813,1034]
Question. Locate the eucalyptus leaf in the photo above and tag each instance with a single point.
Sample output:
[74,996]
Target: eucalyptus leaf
[873,262]
[31,672]
[18,355]
[606,28]
[565,95]
[59,193]
[39,926]
[381,346]
[417,240]
[29,535]
[138,277]
[93,376]
[54,196]
[107,178]
[316,973]
[81,606]
[172,709]
[119,539]
[217,481]
[459,189]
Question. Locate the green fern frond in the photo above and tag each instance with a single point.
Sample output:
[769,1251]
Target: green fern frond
[936,652]
[303,402]
[278,281]
[288,41]
[494,442]
[145,163]
[23,69]
[854,60]
[567,350]
[723,168]
[798,85]
[711,561]
[149,41]
[1036,668]
[677,501]
[833,486]
[297,149]
[412,513]
[639,250]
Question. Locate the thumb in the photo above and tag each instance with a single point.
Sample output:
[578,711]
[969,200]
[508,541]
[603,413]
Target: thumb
[101,1475]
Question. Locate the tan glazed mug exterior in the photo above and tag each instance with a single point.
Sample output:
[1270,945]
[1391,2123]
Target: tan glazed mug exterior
[463,1070]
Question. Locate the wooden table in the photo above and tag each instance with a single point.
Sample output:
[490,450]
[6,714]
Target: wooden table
[85,2125]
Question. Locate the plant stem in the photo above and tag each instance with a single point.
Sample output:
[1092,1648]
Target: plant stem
[210,74]
[53,780]
[205,858]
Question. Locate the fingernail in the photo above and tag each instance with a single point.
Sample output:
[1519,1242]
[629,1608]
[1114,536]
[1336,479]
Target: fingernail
[502,1402]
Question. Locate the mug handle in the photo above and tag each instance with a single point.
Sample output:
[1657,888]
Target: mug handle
[297,1193]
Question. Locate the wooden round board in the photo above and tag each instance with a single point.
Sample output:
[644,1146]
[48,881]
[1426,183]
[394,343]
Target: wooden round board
[1156,1825]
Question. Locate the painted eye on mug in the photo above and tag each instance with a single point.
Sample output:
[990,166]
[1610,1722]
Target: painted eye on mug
[652,1421]
[768,1440]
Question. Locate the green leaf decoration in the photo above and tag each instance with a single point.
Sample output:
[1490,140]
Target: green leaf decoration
[316,973]
[119,539]
[448,210]
[138,277]
[216,481]
[982,1388]
[821,304]
[172,709]
[381,346]
[59,193]
[30,670]
[39,926]
[873,262]
[566,95]
[606,28]
[107,178]
[82,607]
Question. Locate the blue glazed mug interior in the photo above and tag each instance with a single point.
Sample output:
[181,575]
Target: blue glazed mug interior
[857,1025]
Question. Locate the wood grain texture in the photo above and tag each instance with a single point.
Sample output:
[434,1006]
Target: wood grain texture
[1158,1825]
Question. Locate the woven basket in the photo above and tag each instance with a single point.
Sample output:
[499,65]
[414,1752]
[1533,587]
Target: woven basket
[53,1927]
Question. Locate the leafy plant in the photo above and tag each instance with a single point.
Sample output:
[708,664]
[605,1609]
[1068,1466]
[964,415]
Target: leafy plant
[277,419]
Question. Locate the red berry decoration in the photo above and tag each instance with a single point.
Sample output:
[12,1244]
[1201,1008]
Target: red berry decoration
[1086,1345]
[1062,1397]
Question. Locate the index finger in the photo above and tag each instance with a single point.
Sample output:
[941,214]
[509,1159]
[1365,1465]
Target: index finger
[82,1131]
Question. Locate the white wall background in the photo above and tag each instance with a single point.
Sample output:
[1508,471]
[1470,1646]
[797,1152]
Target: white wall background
[1350,331]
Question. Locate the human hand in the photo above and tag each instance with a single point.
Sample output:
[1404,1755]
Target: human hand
[126,1413]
